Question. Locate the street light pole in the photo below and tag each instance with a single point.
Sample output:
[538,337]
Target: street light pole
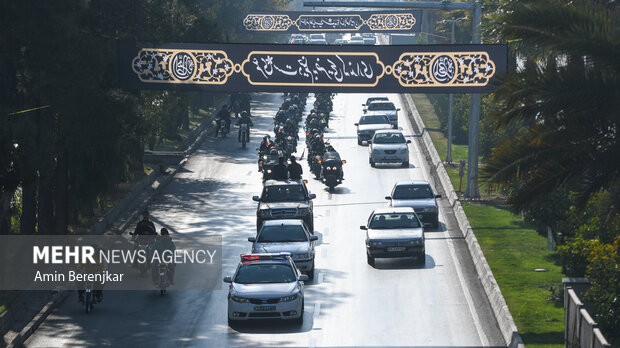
[472,190]
[449,152]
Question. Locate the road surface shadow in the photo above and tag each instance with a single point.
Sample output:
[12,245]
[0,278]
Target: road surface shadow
[404,263]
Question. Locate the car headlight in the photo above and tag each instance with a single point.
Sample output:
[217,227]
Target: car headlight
[239,299]
[302,256]
[431,209]
[375,151]
[415,242]
[289,298]
[269,171]
[376,243]
[302,211]
[404,150]
[264,213]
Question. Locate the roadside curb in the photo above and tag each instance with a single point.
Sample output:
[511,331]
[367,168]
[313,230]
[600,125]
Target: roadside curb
[28,330]
[496,299]
[136,200]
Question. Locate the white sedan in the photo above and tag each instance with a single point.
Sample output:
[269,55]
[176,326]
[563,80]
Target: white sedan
[388,146]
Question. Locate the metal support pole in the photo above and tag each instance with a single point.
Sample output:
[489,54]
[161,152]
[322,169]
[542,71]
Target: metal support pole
[449,152]
[472,191]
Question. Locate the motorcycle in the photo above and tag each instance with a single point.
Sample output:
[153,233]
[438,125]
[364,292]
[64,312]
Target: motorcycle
[243,129]
[89,300]
[142,246]
[331,172]
[163,279]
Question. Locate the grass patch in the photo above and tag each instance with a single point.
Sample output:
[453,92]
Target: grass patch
[513,250]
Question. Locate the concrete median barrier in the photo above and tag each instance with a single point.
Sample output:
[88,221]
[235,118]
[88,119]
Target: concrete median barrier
[491,288]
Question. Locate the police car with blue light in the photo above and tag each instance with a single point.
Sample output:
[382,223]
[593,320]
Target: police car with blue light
[266,286]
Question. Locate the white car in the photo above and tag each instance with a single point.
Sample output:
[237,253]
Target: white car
[419,196]
[388,146]
[367,126]
[356,40]
[394,232]
[266,286]
[369,38]
[318,39]
[383,108]
[287,236]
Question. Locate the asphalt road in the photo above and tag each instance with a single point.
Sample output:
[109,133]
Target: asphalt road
[348,304]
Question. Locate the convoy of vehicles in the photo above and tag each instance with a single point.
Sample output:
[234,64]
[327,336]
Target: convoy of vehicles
[269,282]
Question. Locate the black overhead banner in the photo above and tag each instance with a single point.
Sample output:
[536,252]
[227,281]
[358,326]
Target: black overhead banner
[312,68]
[323,22]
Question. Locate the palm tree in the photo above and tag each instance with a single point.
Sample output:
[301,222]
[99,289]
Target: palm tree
[566,97]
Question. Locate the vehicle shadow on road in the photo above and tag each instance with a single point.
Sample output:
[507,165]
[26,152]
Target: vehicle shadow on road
[274,326]
[404,263]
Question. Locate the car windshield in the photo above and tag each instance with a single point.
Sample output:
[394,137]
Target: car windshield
[377,119]
[317,37]
[284,193]
[389,138]
[282,234]
[265,273]
[394,220]
[412,192]
[381,106]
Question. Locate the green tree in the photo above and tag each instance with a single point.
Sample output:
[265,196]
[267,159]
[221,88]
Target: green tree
[569,100]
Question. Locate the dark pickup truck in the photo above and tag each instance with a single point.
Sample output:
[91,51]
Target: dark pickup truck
[285,200]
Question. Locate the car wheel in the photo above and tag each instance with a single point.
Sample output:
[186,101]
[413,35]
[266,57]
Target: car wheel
[406,164]
[232,322]
[370,260]
[372,163]
[359,141]
[300,320]
[311,272]
[422,260]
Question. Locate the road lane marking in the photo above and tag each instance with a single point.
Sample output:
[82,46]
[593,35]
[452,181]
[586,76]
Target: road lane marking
[317,309]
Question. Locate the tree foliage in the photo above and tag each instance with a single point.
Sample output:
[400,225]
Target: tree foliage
[81,135]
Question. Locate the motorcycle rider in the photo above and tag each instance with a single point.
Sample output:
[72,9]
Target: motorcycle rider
[164,243]
[291,128]
[91,268]
[294,169]
[144,233]
[245,119]
[280,117]
[279,170]
[222,119]
[265,144]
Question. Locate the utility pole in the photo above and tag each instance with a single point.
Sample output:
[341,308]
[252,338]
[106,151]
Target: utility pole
[449,152]
[472,190]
